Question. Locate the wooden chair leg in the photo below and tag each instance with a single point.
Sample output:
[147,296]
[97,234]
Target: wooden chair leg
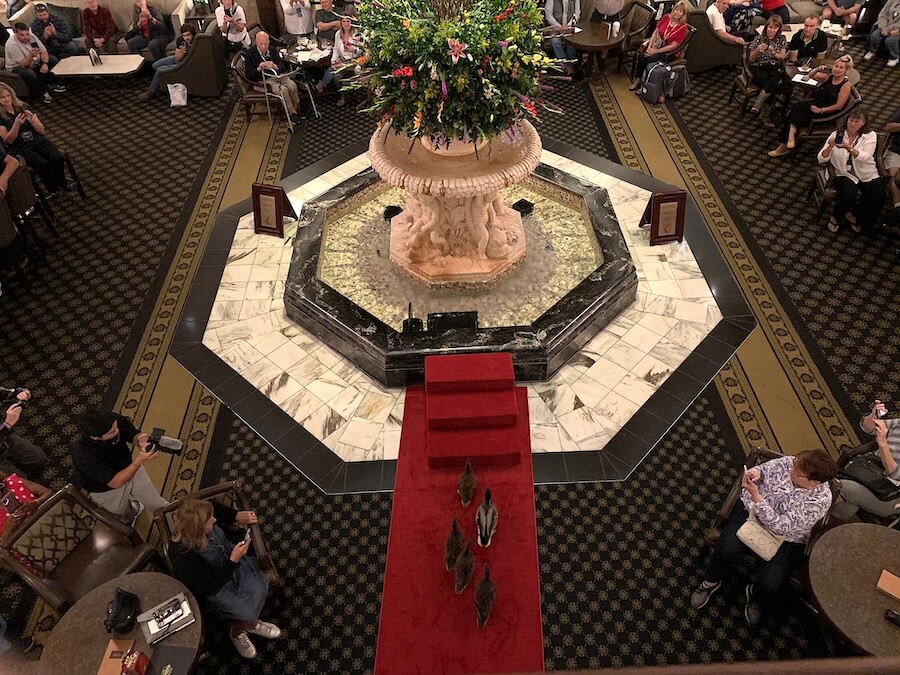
[733,92]
[74,176]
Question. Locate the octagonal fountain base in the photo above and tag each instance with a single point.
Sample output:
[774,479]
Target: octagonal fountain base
[578,277]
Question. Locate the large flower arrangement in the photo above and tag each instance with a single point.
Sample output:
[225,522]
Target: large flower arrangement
[454,69]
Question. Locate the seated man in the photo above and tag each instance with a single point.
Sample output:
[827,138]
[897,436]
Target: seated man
[182,45]
[842,11]
[16,454]
[327,23]
[233,23]
[562,14]
[262,57]
[148,30]
[28,58]
[100,30]
[105,469]
[809,43]
[54,33]
[715,14]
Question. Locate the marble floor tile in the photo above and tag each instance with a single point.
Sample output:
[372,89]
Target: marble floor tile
[241,256]
[232,290]
[657,271]
[211,341]
[660,325]
[376,407]
[652,370]
[588,391]
[695,312]
[669,289]
[642,338]
[391,448]
[346,403]
[285,388]
[327,386]
[323,422]
[264,375]
[635,389]
[270,256]
[252,308]
[670,353]
[606,372]
[260,290]
[287,355]
[265,272]
[561,399]
[582,424]
[544,437]
[616,408]
[229,311]
[301,405]
[327,356]
[694,288]
[240,356]
[538,412]
[623,354]
[686,335]
[237,273]
[395,418]
[308,370]
[361,433]
[268,342]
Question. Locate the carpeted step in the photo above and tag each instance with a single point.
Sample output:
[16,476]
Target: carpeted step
[485,446]
[471,410]
[469,372]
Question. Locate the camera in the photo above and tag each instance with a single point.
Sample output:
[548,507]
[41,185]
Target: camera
[159,441]
[229,12]
[11,393]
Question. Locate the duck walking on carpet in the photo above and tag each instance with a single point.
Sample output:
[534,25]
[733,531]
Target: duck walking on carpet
[464,568]
[485,594]
[454,546]
[486,520]
[467,483]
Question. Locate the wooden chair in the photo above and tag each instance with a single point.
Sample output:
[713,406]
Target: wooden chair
[230,494]
[69,546]
[24,204]
[743,82]
[800,577]
[638,22]
[844,459]
[680,56]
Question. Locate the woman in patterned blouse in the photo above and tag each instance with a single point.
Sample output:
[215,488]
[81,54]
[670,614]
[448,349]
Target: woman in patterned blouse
[766,54]
[790,495]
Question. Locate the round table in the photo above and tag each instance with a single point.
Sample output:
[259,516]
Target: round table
[594,38]
[844,568]
[78,641]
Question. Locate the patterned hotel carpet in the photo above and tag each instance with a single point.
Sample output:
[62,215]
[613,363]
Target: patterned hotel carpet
[67,338]
[841,289]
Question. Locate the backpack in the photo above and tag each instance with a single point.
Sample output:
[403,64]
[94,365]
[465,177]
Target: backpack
[681,83]
[657,82]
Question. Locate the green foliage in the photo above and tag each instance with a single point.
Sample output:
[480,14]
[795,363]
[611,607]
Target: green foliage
[412,80]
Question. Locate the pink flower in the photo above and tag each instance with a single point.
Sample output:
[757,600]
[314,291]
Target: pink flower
[457,49]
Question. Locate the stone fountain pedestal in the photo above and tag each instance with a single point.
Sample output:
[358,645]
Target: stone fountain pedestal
[455,228]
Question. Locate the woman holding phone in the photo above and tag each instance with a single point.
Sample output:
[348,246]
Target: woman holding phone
[24,134]
[789,496]
[665,42]
[218,570]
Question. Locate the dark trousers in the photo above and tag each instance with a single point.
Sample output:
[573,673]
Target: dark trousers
[782,12]
[22,457]
[799,116]
[863,200]
[766,77]
[157,45]
[35,80]
[47,161]
[642,61]
[771,576]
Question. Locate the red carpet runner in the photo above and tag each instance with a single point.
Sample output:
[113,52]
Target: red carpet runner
[425,627]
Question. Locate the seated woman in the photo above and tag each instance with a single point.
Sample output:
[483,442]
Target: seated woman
[855,496]
[789,495]
[217,570]
[829,97]
[767,53]
[666,40]
[345,50]
[859,188]
[23,132]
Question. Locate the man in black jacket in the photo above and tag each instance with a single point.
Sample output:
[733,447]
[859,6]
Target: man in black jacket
[262,57]
[105,468]
[16,454]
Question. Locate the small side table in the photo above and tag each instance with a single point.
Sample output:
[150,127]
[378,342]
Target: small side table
[594,38]
[79,640]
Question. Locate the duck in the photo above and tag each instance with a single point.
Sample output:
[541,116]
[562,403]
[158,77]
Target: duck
[454,545]
[467,483]
[464,568]
[486,520]
[485,594]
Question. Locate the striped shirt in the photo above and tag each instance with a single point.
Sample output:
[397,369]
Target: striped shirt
[785,508]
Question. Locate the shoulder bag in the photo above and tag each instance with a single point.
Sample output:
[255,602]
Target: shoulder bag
[761,541]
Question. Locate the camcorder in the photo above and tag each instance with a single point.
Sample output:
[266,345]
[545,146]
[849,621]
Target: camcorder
[159,441]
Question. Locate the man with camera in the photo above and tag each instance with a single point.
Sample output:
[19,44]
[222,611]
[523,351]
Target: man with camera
[54,33]
[105,468]
[16,454]
[27,57]
[233,23]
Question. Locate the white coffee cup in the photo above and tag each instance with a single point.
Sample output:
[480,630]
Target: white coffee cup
[826,24]
[616,27]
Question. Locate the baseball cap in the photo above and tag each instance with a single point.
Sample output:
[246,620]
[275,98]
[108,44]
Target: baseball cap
[41,7]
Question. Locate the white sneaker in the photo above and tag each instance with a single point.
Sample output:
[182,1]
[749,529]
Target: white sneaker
[47,98]
[868,56]
[893,62]
[266,630]
[244,647]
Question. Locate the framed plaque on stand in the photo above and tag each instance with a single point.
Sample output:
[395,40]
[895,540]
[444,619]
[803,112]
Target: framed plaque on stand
[665,216]
[270,206]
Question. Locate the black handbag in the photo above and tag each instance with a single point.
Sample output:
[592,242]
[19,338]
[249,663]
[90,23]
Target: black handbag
[122,612]
[868,472]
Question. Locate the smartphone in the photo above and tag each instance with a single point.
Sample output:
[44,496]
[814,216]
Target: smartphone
[247,536]
[745,469]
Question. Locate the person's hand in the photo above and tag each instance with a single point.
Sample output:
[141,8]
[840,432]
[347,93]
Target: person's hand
[44,67]
[239,551]
[99,42]
[815,109]
[750,487]
[4,185]
[885,32]
[880,431]
[48,31]
[754,474]
[650,51]
[14,412]
[762,47]
[246,518]
[144,456]
[141,442]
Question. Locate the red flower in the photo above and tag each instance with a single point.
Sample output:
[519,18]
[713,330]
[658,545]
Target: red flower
[405,71]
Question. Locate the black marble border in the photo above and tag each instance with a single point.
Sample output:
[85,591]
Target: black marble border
[332,475]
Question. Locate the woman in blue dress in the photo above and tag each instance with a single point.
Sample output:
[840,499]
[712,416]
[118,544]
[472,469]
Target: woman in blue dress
[219,571]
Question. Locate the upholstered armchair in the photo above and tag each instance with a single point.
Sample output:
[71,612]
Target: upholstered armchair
[69,546]
[204,69]
[709,50]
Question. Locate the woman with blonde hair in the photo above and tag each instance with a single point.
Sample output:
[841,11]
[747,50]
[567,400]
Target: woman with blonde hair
[23,133]
[666,40]
[217,569]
